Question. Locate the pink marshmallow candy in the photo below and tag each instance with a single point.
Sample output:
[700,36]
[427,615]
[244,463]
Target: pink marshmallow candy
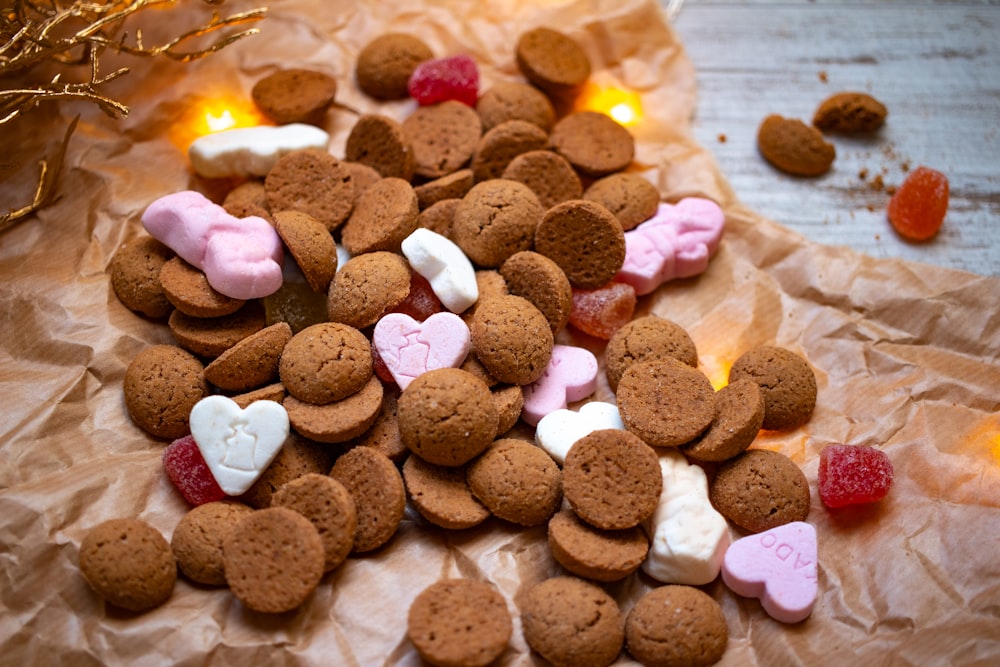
[677,242]
[570,376]
[241,257]
[409,348]
[777,566]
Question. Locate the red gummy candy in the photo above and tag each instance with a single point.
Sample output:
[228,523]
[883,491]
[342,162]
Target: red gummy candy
[381,370]
[442,79]
[421,302]
[851,475]
[188,471]
[918,207]
[603,311]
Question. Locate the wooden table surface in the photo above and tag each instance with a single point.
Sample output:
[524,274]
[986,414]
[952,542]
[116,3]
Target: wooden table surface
[936,67]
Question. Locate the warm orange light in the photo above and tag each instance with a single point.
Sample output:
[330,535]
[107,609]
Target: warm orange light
[624,106]
[716,369]
[208,115]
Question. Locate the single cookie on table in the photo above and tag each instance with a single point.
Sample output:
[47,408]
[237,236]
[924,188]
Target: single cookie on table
[161,386]
[593,143]
[364,177]
[666,402]
[447,417]
[367,287]
[548,175]
[517,482]
[459,623]
[252,362]
[443,137]
[295,95]
[513,100]
[438,216]
[128,563]
[787,381]
[311,245]
[552,60]
[385,215]
[569,233]
[325,363]
[538,279]
[592,553]
[739,417]
[329,506]
[451,186]
[198,538]
[794,147]
[379,142]
[648,338]
[211,336]
[496,219]
[512,339]
[297,457]
[612,479]
[337,421]
[509,401]
[187,289]
[850,113]
[313,182]
[385,64]
[759,490]
[441,494]
[135,276]
[572,623]
[273,560]
[379,495]
[630,197]
[383,435]
[503,143]
[676,625]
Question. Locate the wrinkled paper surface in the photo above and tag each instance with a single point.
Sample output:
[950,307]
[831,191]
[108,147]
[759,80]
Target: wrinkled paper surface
[906,358]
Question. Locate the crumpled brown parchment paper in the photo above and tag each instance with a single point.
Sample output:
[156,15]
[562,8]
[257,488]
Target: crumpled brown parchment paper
[906,358]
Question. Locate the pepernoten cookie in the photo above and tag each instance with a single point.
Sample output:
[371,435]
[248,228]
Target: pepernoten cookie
[740,414]
[252,362]
[592,553]
[584,239]
[295,95]
[676,625]
[337,421]
[188,291]
[198,538]
[443,137]
[538,279]
[329,506]
[385,64]
[161,386]
[441,494]
[630,197]
[511,338]
[496,219]
[211,336]
[314,182]
[311,245]
[452,186]
[128,563]
[296,458]
[459,623]
[135,276]
[759,490]
[548,174]
[503,143]
[552,60]
[513,100]
[517,482]
[666,402]
[367,287]
[379,142]
[593,143]
[326,362]
[378,492]
[786,380]
[385,215]
[647,338]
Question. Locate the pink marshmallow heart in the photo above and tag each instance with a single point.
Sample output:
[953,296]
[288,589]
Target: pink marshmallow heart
[778,567]
[677,242]
[570,376]
[409,348]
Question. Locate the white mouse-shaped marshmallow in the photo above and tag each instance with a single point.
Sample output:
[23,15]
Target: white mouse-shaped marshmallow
[251,151]
[560,429]
[445,267]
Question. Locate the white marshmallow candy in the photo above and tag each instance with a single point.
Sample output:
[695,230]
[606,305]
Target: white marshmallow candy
[559,430]
[251,151]
[445,266]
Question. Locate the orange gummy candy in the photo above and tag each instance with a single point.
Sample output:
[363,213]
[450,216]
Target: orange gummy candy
[918,208]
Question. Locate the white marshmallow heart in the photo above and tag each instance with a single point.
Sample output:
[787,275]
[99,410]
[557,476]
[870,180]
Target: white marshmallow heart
[560,429]
[238,444]
[445,267]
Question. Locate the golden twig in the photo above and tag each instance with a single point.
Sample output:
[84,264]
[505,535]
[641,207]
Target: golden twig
[45,190]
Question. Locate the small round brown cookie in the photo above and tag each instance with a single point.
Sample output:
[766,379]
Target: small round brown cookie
[443,137]
[441,495]
[314,182]
[252,362]
[297,457]
[552,60]
[593,143]
[666,402]
[128,563]
[198,538]
[380,143]
[612,479]
[447,417]
[311,245]
[648,338]
[512,339]
[135,276]
[325,363]
[759,490]
[452,186]
[676,625]
[161,386]
[496,219]
[548,175]
[572,623]
[538,279]
[384,435]
[474,366]
[517,482]
[740,406]
[210,337]
[248,193]
[794,147]
[245,210]
[509,401]
[459,623]
[273,560]
[188,291]
[438,216]
[385,215]
[592,553]
[378,492]
[367,287]
[787,381]
[272,392]
[329,506]
[502,144]
[295,95]
[385,64]
[850,113]
[364,177]
[513,100]
[584,239]
[339,421]
[630,197]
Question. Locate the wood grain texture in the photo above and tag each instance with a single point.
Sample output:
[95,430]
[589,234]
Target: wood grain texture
[935,65]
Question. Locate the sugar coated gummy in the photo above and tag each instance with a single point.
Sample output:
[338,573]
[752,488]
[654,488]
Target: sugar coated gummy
[186,468]
[852,474]
[918,207]
[442,79]
[603,311]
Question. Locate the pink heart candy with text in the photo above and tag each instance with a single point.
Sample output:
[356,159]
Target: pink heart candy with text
[570,376]
[409,348]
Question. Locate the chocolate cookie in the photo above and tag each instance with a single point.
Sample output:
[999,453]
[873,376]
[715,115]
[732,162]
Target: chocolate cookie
[452,186]
[385,215]
[135,276]
[538,279]
[329,506]
[676,625]
[188,291]
[503,143]
[459,623]
[211,336]
[252,362]
[313,182]
[378,492]
[295,95]
[311,246]
[787,381]
[496,219]
[548,174]
[648,338]
[385,64]
[325,363]
[297,457]
[592,553]
[612,479]
[441,494]
[794,147]
[128,563]
[198,538]
[367,287]
[517,482]
[337,421]
[666,403]
[161,386]
[443,137]
[759,490]
[552,60]
[513,100]
[380,143]
[593,143]
[630,197]
[584,239]
[740,414]
[512,339]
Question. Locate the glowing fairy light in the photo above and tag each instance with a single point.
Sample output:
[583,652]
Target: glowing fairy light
[215,114]
[624,106]
[223,121]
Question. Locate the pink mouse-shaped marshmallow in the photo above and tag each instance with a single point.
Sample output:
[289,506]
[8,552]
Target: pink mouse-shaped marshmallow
[241,257]
[570,376]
